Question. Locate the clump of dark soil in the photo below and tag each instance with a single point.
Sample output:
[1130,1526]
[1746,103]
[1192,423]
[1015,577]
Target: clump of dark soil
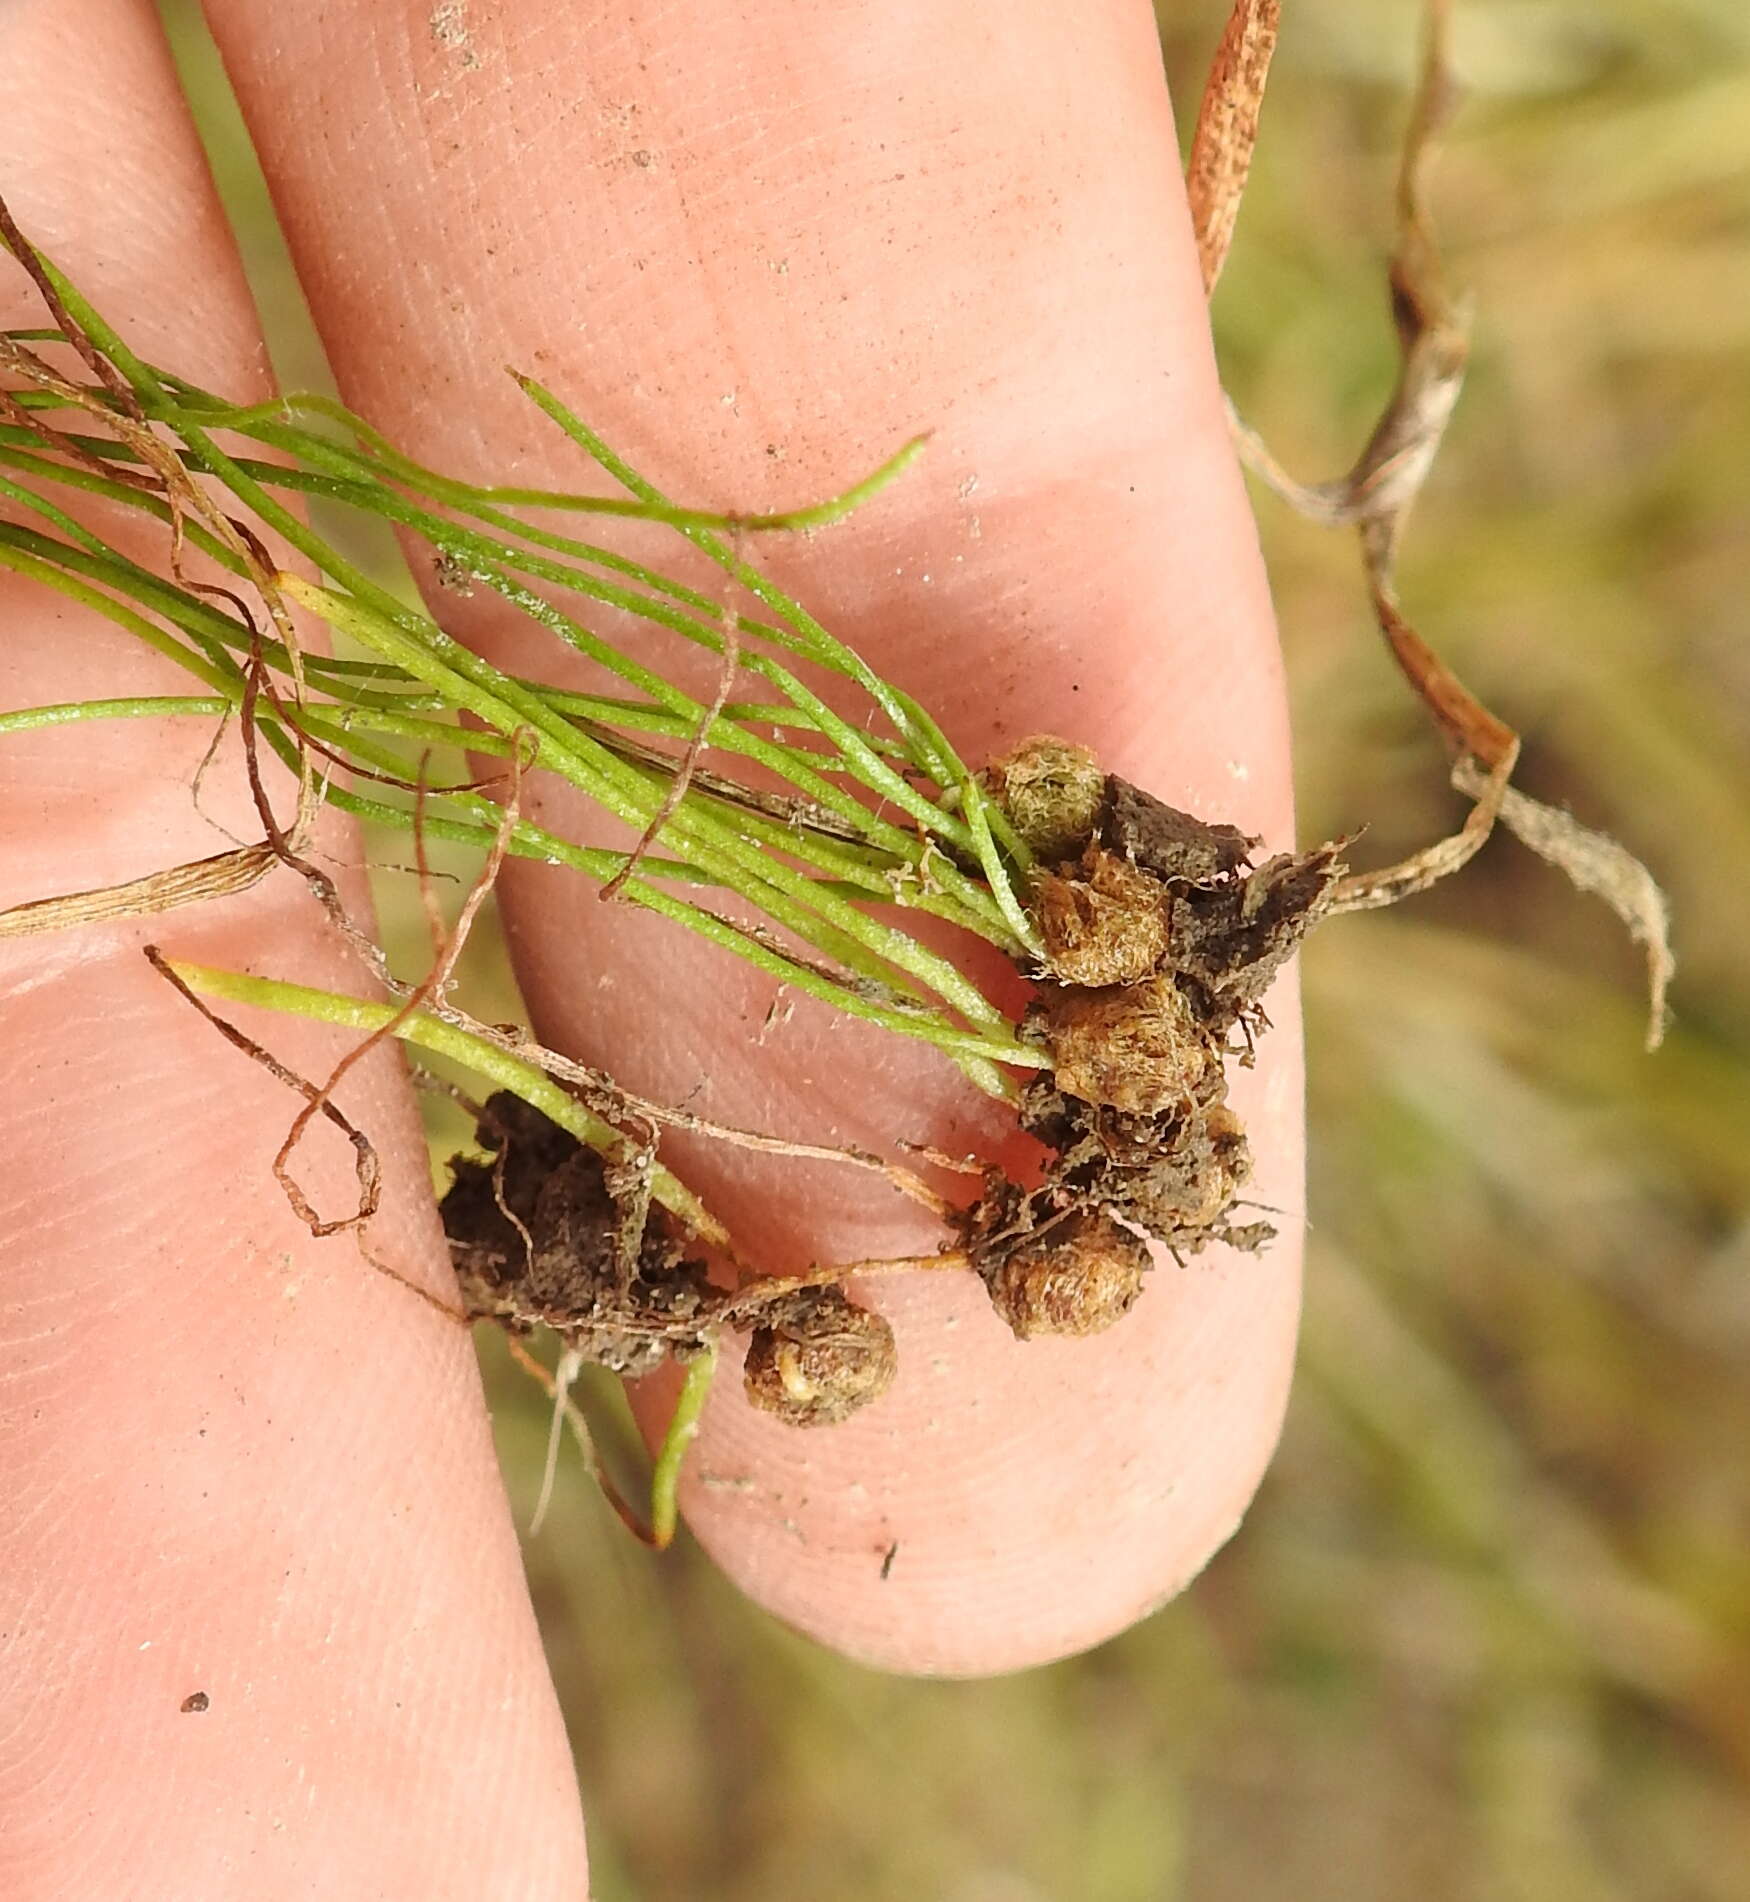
[537,1239]
[1161,940]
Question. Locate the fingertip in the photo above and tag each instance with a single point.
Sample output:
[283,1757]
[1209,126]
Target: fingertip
[1009,1503]
[1075,555]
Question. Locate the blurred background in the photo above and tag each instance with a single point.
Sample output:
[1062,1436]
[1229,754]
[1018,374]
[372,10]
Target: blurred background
[1486,1633]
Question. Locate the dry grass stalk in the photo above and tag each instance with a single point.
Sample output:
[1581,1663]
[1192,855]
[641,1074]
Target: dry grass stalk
[1376,497]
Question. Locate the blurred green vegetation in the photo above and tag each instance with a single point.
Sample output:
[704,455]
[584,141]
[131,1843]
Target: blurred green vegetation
[1486,1633]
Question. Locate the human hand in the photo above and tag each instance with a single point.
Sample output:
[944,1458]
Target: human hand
[758,248]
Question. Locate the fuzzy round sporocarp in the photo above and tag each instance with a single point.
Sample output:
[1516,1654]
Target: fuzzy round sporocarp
[1052,791]
[1138,1047]
[1075,1276]
[1102,920]
[816,1358]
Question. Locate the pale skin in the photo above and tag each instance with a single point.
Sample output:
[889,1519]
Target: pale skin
[758,247]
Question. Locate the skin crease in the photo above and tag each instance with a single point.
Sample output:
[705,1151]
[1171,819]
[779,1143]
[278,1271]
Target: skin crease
[758,247]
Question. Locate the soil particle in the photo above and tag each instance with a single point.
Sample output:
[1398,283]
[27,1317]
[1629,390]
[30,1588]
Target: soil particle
[1175,846]
[1176,1176]
[537,1238]
[547,1233]
[1229,942]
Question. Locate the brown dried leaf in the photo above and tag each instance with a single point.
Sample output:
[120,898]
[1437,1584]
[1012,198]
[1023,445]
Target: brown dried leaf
[1227,129]
[1371,891]
[1376,497]
[1469,727]
[1433,348]
[1377,493]
[1595,863]
[218,877]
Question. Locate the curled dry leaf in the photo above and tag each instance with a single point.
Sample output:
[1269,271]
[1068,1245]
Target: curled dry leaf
[221,876]
[1376,497]
[1595,863]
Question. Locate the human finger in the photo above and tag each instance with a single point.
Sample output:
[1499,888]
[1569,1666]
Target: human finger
[263,1628]
[758,247]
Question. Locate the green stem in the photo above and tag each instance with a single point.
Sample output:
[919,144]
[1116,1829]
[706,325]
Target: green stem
[21,561]
[683,1429]
[945,849]
[65,713]
[785,895]
[978,1055]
